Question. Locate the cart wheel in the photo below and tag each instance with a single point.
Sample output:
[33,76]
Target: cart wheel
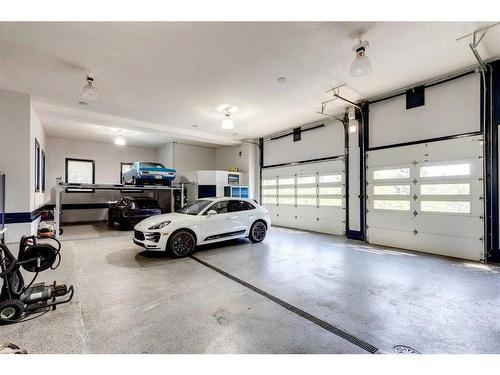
[11,311]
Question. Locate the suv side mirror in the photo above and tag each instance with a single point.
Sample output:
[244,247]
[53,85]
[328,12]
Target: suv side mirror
[211,213]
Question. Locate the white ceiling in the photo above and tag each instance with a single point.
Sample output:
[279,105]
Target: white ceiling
[157,80]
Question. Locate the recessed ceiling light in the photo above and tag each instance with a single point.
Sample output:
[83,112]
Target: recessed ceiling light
[194,126]
[281,79]
[81,102]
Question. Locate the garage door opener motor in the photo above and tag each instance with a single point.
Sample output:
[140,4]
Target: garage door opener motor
[18,300]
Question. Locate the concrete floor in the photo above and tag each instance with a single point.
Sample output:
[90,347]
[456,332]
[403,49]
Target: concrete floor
[128,301]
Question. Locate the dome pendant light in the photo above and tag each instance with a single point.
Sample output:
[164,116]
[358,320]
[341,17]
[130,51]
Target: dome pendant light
[120,141]
[227,123]
[89,92]
[361,65]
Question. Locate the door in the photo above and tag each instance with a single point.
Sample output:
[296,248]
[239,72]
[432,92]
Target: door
[428,197]
[218,225]
[306,196]
[242,216]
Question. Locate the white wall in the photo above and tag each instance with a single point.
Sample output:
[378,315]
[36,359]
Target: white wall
[186,158]
[38,199]
[15,153]
[247,163]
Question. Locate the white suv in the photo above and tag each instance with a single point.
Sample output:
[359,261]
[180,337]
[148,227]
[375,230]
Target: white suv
[203,221]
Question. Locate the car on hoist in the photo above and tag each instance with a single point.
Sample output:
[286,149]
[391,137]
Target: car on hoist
[203,221]
[145,172]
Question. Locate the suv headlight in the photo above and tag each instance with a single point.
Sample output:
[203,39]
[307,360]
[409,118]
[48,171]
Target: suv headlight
[161,225]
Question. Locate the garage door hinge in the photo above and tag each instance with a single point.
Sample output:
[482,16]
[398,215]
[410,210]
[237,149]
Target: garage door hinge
[415,197]
[415,181]
[481,217]
[415,213]
[481,198]
[415,232]
[415,162]
[480,157]
[481,239]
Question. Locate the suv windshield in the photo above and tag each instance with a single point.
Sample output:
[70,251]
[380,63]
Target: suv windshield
[195,207]
[151,165]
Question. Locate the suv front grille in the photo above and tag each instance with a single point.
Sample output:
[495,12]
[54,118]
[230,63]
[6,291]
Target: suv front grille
[138,235]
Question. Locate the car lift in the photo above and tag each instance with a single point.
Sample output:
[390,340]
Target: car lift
[62,186]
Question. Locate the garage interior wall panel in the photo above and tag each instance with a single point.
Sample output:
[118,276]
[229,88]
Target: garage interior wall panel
[308,196]
[428,197]
[317,143]
[450,108]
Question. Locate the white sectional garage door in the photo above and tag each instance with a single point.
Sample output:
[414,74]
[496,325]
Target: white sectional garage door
[428,197]
[306,196]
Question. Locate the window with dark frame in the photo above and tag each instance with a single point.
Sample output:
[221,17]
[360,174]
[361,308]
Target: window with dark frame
[43,171]
[80,171]
[37,166]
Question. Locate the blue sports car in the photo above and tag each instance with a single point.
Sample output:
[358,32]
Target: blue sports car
[142,172]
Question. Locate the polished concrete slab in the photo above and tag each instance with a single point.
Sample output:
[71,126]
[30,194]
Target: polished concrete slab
[129,301]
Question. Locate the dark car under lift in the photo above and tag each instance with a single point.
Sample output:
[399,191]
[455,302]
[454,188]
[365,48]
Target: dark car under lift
[131,210]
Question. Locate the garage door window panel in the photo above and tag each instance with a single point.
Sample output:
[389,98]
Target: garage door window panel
[286,200]
[286,191]
[269,200]
[391,189]
[391,205]
[445,189]
[286,181]
[306,180]
[335,202]
[329,179]
[268,182]
[446,207]
[445,170]
[268,192]
[391,174]
[306,201]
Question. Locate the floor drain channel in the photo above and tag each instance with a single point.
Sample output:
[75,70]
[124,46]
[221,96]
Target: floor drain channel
[325,325]
[403,349]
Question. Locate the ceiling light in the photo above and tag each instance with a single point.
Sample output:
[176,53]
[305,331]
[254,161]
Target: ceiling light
[120,141]
[361,65]
[281,79]
[227,123]
[89,92]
